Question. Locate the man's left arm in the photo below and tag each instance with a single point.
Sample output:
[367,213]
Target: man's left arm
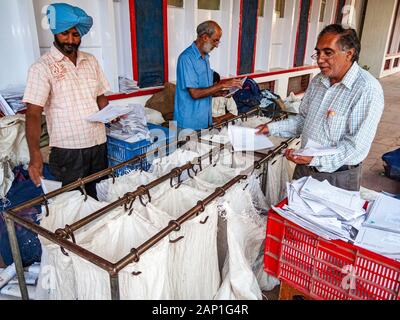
[102,101]
[102,87]
[361,125]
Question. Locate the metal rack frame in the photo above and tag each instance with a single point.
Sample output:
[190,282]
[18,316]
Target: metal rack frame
[63,235]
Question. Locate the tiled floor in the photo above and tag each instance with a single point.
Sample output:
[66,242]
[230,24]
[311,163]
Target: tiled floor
[387,139]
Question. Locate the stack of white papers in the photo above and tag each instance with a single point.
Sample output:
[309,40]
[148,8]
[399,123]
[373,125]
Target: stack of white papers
[347,204]
[314,149]
[246,139]
[384,214]
[127,85]
[233,90]
[381,229]
[110,112]
[132,127]
[314,205]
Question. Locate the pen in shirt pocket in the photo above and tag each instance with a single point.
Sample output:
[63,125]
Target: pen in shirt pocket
[330,113]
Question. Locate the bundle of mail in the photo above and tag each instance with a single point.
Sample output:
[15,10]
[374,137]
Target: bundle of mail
[127,85]
[328,211]
[381,230]
[132,126]
[11,100]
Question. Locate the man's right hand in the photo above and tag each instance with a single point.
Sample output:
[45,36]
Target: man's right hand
[262,129]
[232,83]
[35,170]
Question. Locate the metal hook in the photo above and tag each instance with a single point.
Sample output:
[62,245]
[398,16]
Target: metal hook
[215,164]
[132,201]
[176,224]
[202,207]
[176,173]
[176,240]
[136,256]
[188,173]
[46,204]
[65,253]
[205,220]
[257,165]
[69,232]
[112,175]
[83,190]
[144,191]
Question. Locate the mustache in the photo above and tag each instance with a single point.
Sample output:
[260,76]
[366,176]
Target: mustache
[67,47]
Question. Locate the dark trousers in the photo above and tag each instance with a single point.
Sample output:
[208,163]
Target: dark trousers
[346,179]
[68,165]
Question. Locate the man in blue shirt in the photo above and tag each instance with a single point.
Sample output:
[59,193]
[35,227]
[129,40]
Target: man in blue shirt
[194,87]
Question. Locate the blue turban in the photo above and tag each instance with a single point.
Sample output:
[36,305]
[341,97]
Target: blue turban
[63,17]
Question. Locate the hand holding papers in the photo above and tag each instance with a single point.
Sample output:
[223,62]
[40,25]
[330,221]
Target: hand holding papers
[245,139]
[313,149]
[234,89]
[109,113]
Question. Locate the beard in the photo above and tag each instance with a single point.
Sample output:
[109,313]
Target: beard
[207,47]
[66,47]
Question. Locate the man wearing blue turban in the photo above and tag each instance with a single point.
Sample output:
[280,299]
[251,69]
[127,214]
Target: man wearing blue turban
[68,85]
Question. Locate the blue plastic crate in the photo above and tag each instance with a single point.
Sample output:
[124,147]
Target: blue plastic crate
[121,151]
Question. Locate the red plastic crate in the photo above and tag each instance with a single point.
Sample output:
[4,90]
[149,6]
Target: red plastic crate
[327,270]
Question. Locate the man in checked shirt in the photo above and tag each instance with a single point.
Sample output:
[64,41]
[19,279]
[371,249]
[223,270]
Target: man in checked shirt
[341,108]
[69,85]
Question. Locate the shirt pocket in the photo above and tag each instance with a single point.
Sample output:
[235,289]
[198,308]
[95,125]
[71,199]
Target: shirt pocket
[335,127]
[91,86]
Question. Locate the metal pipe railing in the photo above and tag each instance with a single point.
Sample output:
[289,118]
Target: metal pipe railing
[67,232]
[113,268]
[136,252]
[110,171]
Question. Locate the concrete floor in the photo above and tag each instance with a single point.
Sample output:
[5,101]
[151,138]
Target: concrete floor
[387,139]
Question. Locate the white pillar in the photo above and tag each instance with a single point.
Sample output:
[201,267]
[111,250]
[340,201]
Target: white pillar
[376,33]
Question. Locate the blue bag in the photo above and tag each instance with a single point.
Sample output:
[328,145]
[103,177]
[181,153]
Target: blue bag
[392,164]
[248,97]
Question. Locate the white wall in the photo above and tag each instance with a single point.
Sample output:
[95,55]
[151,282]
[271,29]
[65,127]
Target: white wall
[376,34]
[264,35]
[19,42]
[182,24]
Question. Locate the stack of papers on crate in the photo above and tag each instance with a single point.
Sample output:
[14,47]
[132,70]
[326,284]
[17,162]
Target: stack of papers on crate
[132,127]
[381,230]
[9,286]
[127,85]
[11,100]
[328,211]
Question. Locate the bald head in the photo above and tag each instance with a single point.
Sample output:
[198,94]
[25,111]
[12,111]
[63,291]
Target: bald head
[208,27]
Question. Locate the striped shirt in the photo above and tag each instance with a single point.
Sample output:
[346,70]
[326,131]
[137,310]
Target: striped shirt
[344,115]
[68,94]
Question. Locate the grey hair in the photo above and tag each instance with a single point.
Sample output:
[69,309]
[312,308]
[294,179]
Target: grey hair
[348,38]
[207,27]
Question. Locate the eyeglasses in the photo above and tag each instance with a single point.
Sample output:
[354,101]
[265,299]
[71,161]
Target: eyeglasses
[216,41]
[326,55]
